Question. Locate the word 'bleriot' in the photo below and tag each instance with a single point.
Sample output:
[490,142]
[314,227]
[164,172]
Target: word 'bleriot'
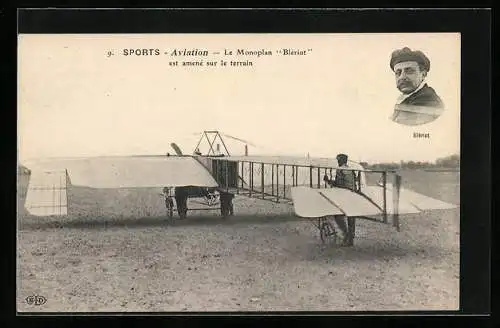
[421,135]
[292,52]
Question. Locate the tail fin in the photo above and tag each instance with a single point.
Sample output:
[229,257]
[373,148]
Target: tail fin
[176,148]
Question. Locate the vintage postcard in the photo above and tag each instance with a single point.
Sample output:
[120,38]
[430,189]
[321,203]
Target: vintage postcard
[238,172]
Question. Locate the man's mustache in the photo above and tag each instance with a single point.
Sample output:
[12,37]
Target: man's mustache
[404,83]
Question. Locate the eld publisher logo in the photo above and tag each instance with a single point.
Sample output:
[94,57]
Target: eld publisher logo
[36,300]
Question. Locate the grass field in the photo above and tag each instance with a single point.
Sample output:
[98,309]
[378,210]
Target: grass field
[117,252]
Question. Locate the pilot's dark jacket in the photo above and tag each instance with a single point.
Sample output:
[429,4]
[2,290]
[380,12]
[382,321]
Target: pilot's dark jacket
[421,107]
[345,179]
[426,96]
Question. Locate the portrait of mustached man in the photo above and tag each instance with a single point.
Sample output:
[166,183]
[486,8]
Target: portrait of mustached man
[418,103]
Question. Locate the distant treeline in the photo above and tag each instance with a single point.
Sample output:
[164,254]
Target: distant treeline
[451,162]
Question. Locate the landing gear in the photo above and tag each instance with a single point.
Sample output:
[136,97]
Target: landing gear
[180,201]
[181,195]
[226,204]
[327,231]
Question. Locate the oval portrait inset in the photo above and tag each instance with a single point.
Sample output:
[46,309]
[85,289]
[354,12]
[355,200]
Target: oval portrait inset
[418,103]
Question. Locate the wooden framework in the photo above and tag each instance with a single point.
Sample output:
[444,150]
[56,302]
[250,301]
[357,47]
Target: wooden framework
[238,177]
[211,141]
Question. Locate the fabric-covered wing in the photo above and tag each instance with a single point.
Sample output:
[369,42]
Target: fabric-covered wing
[376,194]
[131,171]
[308,203]
[350,202]
[46,193]
[420,201]
[311,203]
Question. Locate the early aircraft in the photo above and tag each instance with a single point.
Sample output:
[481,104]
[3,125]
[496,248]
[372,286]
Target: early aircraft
[215,178]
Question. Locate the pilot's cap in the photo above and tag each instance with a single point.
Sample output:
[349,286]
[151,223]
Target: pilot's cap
[406,54]
[342,156]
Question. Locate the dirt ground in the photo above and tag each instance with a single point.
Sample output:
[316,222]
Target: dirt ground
[117,252]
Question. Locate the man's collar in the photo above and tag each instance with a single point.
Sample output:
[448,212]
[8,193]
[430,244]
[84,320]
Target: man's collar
[402,97]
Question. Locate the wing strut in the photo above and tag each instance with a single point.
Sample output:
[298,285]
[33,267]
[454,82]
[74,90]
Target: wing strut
[395,200]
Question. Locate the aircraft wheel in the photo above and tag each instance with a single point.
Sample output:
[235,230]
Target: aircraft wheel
[328,232]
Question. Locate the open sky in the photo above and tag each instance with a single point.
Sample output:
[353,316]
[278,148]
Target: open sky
[75,101]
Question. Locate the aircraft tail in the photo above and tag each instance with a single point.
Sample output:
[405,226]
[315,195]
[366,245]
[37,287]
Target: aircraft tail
[176,148]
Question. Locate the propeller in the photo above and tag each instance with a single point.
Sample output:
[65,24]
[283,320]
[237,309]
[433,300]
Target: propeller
[176,148]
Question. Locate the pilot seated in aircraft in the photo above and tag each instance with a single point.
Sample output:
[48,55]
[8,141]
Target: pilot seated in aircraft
[344,179]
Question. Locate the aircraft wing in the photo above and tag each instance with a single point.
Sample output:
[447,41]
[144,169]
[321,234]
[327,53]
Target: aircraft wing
[309,203]
[376,194]
[408,199]
[130,171]
[47,187]
[312,202]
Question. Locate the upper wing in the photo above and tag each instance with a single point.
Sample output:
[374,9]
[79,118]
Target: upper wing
[130,172]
